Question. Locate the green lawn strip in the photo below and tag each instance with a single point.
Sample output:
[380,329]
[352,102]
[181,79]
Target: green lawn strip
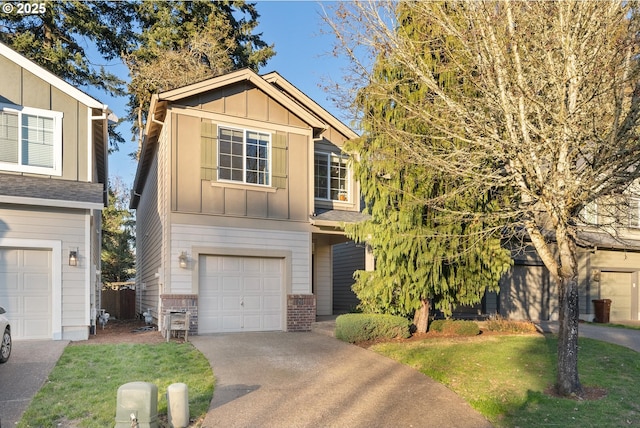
[504,378]
[83,385]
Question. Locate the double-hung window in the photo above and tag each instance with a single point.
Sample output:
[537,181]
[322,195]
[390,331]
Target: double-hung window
[331,177]
[244,156]
[30,140]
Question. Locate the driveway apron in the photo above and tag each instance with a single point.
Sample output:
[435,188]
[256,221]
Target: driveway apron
[277,379]
[24,374]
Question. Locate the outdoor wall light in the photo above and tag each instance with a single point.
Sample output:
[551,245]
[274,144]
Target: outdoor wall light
[73,257]
[595,275]
[183,260]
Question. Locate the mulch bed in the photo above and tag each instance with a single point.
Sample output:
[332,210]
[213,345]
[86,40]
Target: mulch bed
[124,331]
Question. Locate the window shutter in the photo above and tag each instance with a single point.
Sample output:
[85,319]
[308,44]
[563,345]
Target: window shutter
[208,151]
[279,161]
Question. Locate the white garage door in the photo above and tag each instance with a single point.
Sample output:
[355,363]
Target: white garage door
[617,286]
[25,292]
[240,294]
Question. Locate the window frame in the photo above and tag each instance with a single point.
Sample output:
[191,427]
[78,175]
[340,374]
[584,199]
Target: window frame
[347,178]
[56,116]
[245,132]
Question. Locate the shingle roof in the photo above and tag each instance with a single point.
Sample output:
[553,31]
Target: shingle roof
[338,216]
[50,189]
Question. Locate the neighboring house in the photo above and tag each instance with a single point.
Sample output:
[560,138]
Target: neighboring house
[241,191]
[53,180]
[609,268]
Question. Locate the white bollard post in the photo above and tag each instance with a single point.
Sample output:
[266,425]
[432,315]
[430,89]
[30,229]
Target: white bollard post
[178,405]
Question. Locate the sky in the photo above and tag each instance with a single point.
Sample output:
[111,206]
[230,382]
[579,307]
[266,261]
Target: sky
[302,57]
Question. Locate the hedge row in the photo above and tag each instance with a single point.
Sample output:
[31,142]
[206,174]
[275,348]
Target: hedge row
[502,325]
[363,327]
[455,327]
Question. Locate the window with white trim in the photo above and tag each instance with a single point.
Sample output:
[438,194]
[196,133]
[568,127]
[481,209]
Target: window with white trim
[30,140]
[244,156]
[331,177]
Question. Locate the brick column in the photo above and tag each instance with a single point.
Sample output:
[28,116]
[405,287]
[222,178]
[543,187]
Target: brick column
[180,302]
[301,312]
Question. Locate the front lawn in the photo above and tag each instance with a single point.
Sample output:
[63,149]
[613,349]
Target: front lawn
[505,378]
[82,389]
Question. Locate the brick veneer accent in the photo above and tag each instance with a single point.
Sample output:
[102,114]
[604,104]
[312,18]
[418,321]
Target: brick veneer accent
[301,312]
[181,302]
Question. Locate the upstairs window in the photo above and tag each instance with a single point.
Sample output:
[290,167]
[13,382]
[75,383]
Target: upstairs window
[331,177]
[243,156]
[30,140]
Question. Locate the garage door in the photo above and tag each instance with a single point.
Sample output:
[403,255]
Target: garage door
[25,292]
[240,294]
[618,287]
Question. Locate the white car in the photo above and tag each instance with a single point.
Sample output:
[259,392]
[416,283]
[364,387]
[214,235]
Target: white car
[5,343]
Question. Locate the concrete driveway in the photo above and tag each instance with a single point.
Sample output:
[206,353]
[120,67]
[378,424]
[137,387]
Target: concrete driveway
[311,380]
[24,374]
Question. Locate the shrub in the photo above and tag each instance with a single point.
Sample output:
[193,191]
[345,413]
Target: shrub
[455,327]
[363,327]
[503,325]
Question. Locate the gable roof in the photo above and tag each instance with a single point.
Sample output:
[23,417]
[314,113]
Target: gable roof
[276,79]
[272,84]
[99,134]
[50,78]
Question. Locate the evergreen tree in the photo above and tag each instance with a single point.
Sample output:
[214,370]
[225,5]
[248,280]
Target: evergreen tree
[443,253]
[118,240]
[183,42]
[552,119]
[58,36]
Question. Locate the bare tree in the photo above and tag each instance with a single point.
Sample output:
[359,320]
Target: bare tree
[552,119]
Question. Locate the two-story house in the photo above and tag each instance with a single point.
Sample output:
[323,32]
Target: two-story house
[608,268]
[53,181]
[240,193]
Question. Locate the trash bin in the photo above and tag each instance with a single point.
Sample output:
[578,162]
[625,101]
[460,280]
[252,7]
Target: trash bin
[602,309]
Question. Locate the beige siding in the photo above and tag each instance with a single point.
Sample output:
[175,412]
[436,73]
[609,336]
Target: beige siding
[23,88]
[323,280]
[193,194]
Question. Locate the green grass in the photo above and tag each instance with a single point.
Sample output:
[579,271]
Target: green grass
[504,378]
[82,388]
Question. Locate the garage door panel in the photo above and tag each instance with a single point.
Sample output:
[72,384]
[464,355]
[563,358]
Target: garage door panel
[231,323]
[231,284]
[25,291]
[10,281]
[251,294]
[231,264]
[617,287]
[36,258]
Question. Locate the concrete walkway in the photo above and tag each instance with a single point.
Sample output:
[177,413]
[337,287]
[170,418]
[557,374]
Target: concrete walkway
[24,374]
[313,380]
[620,336]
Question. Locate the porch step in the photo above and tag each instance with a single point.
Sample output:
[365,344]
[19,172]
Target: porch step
[326,327]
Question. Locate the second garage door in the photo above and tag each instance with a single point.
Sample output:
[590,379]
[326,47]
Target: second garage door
[240,294]
[25,291]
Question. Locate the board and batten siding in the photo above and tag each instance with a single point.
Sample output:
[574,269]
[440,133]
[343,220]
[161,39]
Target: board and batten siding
[23,88]
[184,237]
[68,228]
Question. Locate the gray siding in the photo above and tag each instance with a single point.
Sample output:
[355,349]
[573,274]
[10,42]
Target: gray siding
[347,258]
[149,240]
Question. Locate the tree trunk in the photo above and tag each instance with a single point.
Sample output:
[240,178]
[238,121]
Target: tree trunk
[421,317]
[568,382]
